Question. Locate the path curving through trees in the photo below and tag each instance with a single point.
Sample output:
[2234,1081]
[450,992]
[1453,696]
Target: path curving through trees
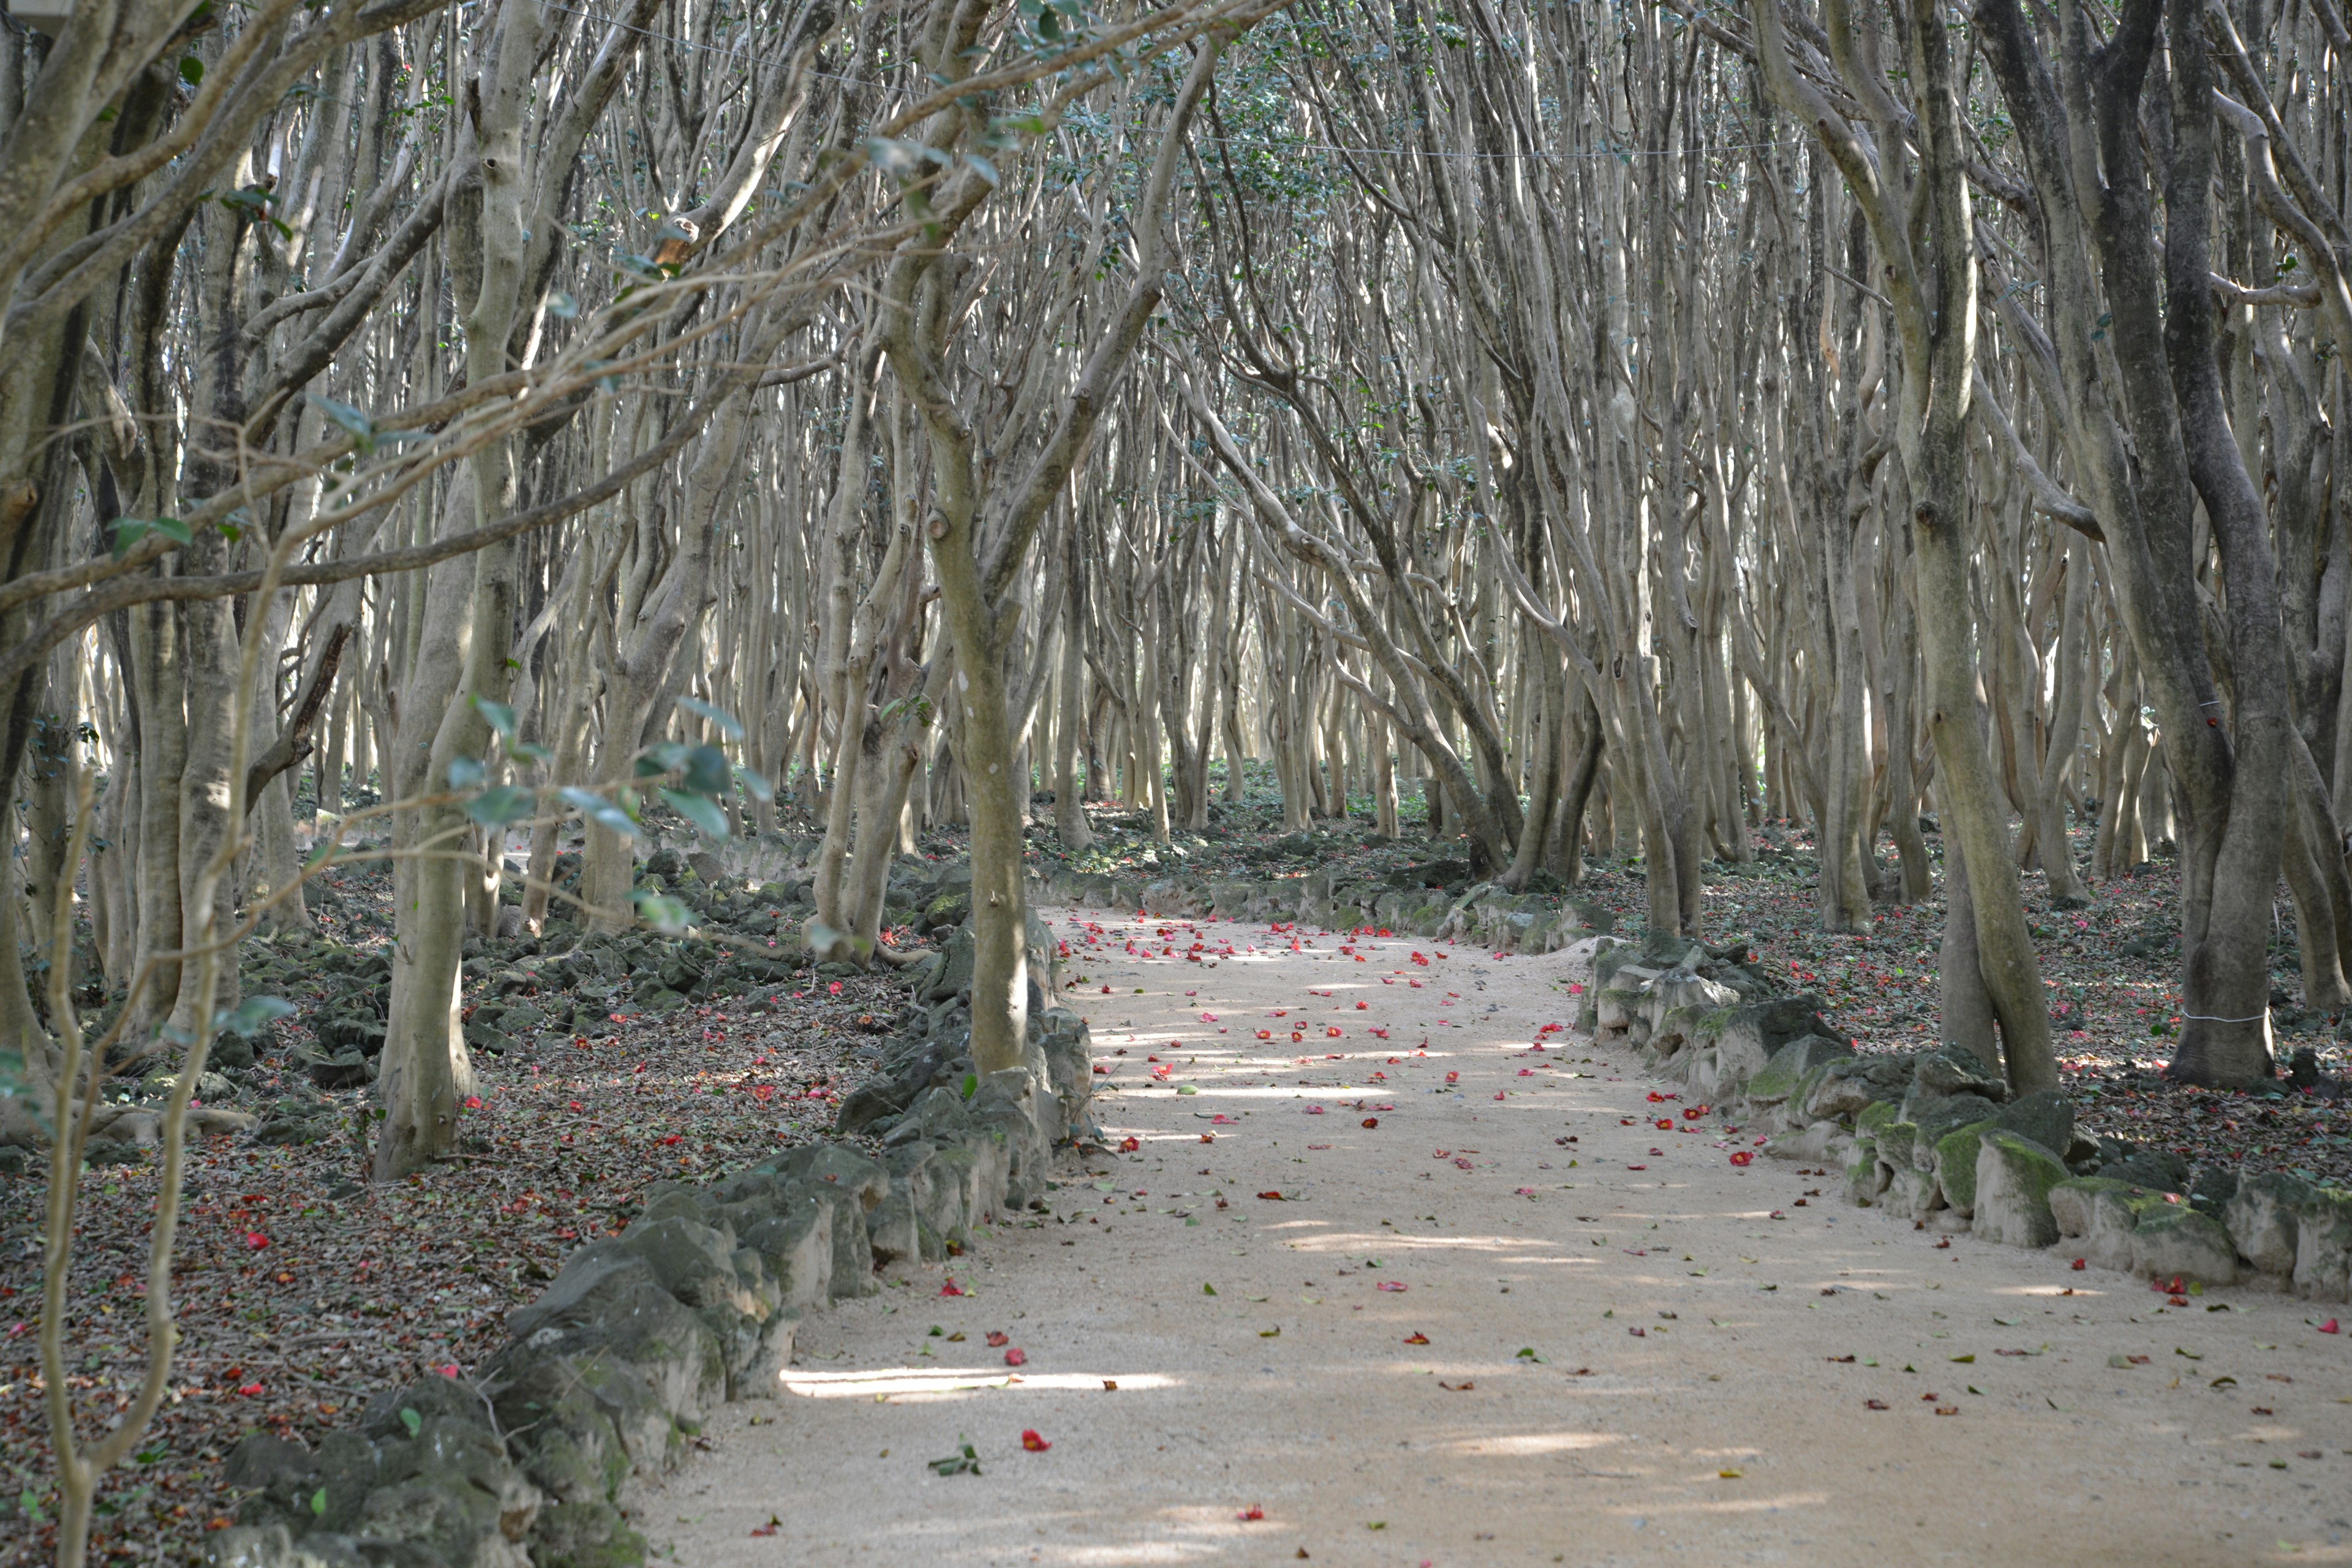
[1643,1344]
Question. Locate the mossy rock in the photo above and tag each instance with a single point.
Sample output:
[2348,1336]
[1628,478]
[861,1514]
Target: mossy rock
[1712,1024]
[2013,1179]
[1862,1184]
[1685,1021]
[1898,1145]
[1791,1066]
[1956,1164]
[584,1535]
[2074,1199]
[2175,1241]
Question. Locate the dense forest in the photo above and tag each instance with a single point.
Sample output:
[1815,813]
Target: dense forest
[483,441]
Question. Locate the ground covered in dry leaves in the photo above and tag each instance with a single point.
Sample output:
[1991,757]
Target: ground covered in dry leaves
[302,1291]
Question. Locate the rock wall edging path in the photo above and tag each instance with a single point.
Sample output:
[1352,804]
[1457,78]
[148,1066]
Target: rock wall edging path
[609,1376]
[1935,1137]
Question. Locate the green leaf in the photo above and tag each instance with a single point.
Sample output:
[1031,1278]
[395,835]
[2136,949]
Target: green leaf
[356,423]
[723,720]
[466,772]
[894,157]
[700,810]
[253,1015]
[413,1421]
[971,1084]
[319,1498]
[128,532]
[497,807]
[667,756]
[706,772]
[192,70]
[755,783]
[500,717]
[599,810]
[664,913]
[965,1460]
[823,938]
[562,304]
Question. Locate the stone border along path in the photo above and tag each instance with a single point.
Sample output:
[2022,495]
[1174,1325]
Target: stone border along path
[1405,1289]
[609,1377]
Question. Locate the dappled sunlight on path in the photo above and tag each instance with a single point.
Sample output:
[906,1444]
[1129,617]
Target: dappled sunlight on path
[1364,1298]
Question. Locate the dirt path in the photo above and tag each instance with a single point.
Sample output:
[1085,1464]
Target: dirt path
[1637,1350]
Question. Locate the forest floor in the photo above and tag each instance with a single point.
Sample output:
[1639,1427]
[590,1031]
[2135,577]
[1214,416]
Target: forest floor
[1395,1270]
[302,1292]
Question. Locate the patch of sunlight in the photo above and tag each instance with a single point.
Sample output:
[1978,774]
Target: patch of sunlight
[1133,1552]
[1771,1502]
[2277,1432]
[1530,1444]
[1352,1241]
[1166,1088]
[896,1381]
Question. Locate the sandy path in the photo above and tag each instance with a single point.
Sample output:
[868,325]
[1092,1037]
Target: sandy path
[1700,1364]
